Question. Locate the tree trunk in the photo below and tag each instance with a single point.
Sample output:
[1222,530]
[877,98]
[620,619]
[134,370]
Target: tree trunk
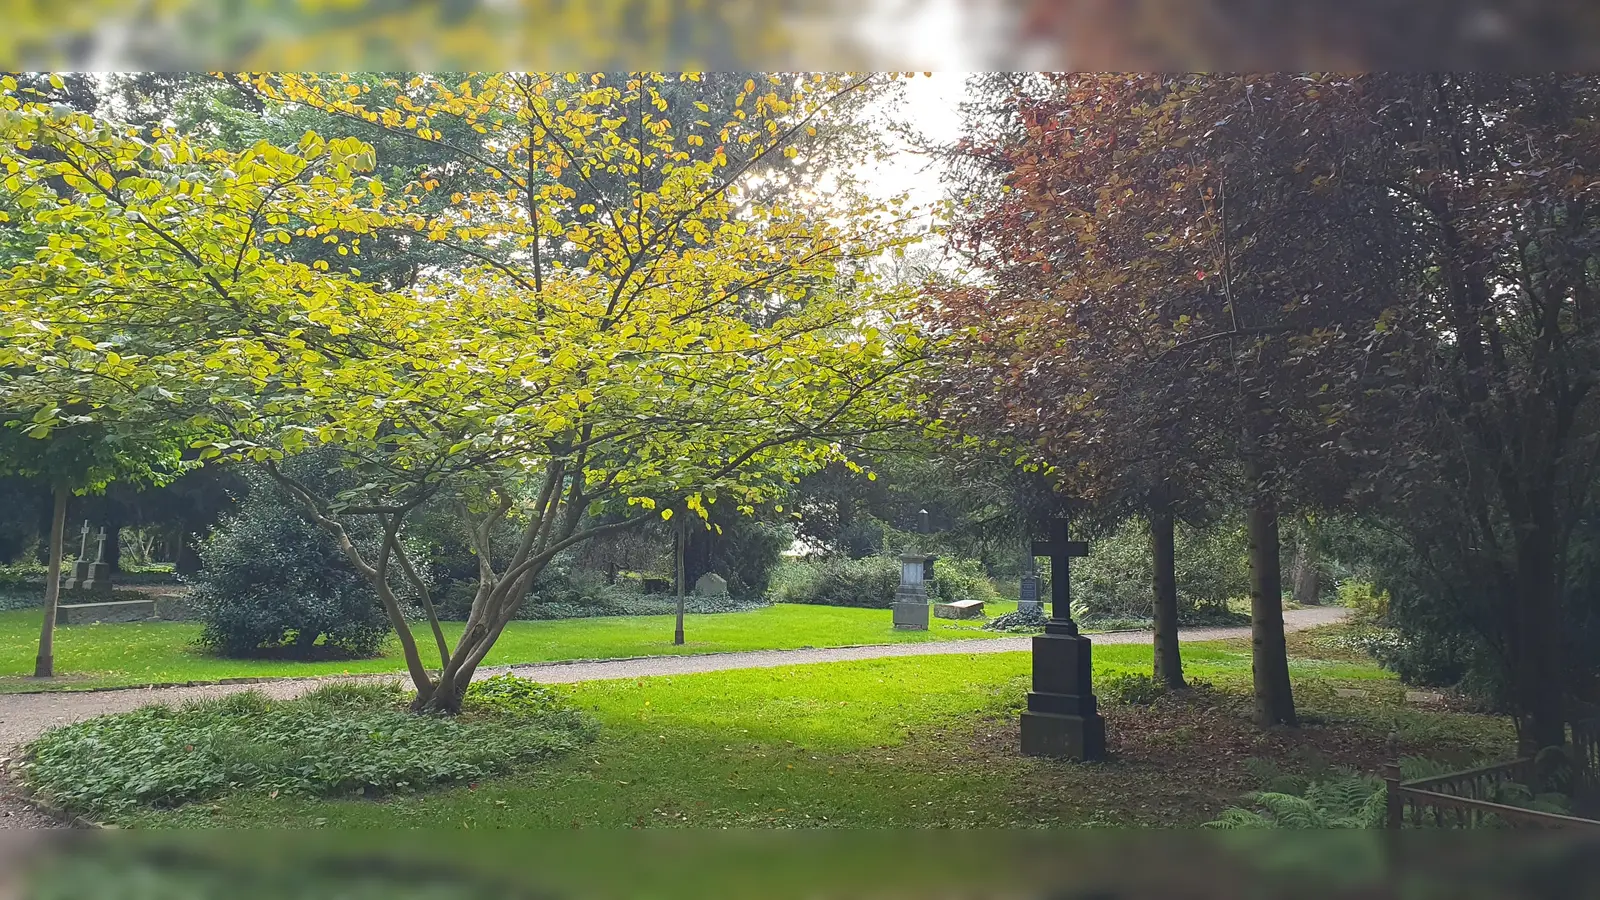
[700,546]
[1269,654]
[113,526]
[1169,664]
[44,665]
[683,540]
[1540,685]
[1307,590]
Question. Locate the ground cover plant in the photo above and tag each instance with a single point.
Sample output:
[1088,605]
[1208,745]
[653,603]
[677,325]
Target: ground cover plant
[340,739]
[910,742]
[163,652]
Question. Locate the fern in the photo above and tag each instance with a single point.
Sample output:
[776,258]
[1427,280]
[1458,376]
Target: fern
[1235,817]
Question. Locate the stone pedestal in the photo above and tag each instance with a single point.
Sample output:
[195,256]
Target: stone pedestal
[1031,607]
[80,574]
[98,580]
[1062,719]
[911,597]
[911,615]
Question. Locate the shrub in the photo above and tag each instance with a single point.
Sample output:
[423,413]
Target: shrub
[1347,800]
[1130,689]
[339,740]
[963,579]
[274,584]
[870,582]
[1367,604]
[1113,584]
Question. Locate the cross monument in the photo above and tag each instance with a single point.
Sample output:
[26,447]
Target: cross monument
[1062,718]
[80,566]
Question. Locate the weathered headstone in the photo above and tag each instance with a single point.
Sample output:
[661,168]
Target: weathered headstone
[917,585]
[98,580]
[80,566]
[1028,602]
[911,597]
[1062,718]
[711,585]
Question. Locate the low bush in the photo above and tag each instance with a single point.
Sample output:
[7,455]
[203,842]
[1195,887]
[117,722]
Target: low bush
[1351,800]
[1129,689]
[1112,586]
[273,583]
[1367,604]
[348,739]
[870,582]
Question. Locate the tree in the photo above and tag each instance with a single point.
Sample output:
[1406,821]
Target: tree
[1171,289]
[1486,430]
[622,375]
[74,459]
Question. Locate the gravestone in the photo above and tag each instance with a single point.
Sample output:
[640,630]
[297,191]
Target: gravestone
[1062,718]
[98,581]
[711,585]
[80,566]
[917,585]
[911,597]
[1028,602]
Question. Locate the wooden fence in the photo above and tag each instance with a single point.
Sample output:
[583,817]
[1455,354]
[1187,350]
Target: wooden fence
[1463,799]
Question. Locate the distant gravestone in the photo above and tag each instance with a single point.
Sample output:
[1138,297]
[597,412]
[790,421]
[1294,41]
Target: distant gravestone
[80,566]
[99,578]
[711,585]
[1029,602]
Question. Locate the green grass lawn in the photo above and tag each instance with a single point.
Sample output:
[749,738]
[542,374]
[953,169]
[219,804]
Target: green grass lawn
[907,742]
[157,652]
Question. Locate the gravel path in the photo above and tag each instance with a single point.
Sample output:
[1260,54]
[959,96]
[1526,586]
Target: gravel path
[24,716]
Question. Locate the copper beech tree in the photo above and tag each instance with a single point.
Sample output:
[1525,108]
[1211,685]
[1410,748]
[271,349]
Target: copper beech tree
[1162,284]
[1372,292]
[595,361]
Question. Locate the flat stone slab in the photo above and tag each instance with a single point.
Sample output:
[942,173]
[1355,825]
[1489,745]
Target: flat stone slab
[961,609]
[1351,692]
[109,611]
[1424,697]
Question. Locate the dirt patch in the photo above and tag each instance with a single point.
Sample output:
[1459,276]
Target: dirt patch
[16,812]
[1184,758]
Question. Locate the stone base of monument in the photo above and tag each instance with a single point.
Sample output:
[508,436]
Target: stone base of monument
[1062,719]
[176,608]
[109,611]
[911,615]
[1031,608]
[961,609]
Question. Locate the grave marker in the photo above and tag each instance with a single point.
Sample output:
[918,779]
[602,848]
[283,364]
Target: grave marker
[1062,718]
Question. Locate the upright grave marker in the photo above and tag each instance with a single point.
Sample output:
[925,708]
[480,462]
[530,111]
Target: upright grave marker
[916,583]
[80,566]
[1028,602]
[1062,718]
[99,578]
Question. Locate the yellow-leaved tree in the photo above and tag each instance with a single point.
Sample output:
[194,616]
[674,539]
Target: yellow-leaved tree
[634,331]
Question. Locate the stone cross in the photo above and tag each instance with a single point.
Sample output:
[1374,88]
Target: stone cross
[1061,549]
[100,552]
[1062,718]
[83,545]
